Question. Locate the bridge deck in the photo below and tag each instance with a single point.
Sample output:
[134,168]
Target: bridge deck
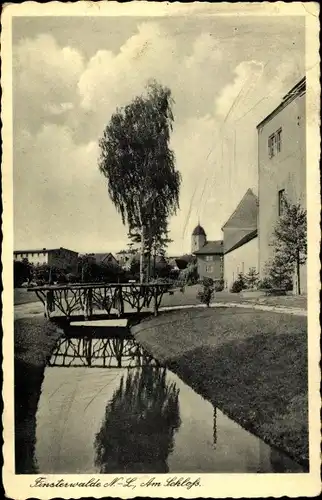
[108,297]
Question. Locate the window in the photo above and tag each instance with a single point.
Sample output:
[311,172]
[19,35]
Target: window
[209,258]
[281,201]
[275,143]
[209,269]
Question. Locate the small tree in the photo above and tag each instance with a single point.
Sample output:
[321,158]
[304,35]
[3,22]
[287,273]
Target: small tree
[206,293]
[251,278]
[239,284]
[279,272]
[290,237]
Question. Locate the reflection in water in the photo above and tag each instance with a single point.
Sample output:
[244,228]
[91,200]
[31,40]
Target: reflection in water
[100,353]
[118,411]
[139,425]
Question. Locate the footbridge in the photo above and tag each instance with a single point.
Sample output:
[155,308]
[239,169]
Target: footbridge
[108,298]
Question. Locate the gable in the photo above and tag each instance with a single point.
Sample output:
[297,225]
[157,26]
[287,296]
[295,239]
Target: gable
[245,215]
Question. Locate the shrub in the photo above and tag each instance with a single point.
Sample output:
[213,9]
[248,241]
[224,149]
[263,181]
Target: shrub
[219,285]
[236,287]
[251,278]
[279,272]
[239,284]
[206,293]
[265,283]
[72,278]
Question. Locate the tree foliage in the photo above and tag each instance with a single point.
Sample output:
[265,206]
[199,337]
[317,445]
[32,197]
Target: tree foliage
[278,272]
[239,284]
[290,237]
[251,278]
[138,164]
[22,271]
[91,271]
[206,292]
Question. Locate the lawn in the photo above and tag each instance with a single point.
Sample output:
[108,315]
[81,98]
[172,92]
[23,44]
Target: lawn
[22,296]
[250,364]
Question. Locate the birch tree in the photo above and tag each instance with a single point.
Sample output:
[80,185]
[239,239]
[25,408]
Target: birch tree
[138,163]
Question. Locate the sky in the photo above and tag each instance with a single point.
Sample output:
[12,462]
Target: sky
[69,76]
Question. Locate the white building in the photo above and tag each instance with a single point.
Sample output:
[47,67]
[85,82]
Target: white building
[281,168]
[241,240]
[61,258]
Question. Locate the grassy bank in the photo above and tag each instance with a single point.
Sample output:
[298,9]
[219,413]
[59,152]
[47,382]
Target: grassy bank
[22,296]
[189,297]
[34,340]
[251,365]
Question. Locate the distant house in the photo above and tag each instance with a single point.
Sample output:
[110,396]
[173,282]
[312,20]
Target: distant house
[209,255]
[181,262]
[106,258]
[61,258]
[240,239]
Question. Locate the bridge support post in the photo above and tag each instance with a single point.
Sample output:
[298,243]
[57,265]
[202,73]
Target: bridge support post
[49,303]
[88,304]
[120,302]
[155,301]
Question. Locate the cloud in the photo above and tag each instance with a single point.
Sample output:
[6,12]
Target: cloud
[45,78]
[247,74]
[62,102]
[57,188]
[111,79]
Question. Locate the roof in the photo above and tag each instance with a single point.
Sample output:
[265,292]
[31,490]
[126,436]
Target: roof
[298,90]
[245,215]
[211,248]
[102,257]
[181,262]
[186,257]
[245,239]
[198,231]
[42,250]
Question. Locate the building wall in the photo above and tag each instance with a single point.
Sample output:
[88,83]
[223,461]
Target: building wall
[197,242]
[35,258]
[63,259]
[240,260]
[210,266]
[286,170]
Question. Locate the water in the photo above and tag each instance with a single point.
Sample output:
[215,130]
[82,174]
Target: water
[108,407]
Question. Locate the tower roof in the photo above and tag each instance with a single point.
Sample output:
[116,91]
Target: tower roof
[198,231]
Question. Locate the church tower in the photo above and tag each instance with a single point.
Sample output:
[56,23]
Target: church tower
[198,238]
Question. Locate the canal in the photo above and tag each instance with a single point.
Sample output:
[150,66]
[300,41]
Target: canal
[107,406]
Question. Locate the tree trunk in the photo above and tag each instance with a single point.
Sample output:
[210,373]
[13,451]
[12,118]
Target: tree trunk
[142,255]
[154,259]
[148,266]
[298,272]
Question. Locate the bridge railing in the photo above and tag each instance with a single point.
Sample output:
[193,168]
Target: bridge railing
[68,299]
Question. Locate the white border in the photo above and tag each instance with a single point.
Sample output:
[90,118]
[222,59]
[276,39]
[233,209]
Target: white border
[212,485]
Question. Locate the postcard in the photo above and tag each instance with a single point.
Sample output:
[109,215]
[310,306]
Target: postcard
[160,254]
